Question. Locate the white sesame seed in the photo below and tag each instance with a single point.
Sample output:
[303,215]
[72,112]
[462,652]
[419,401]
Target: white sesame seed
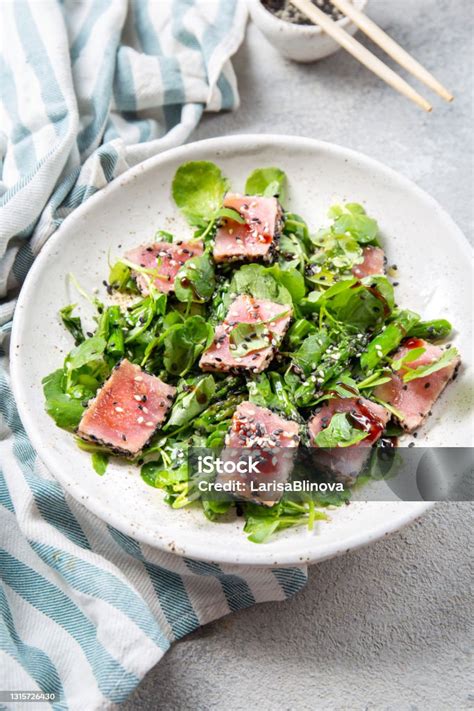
[150,423]
[145,410]
[138,398]
[138,378]
[119,409]
[140,420]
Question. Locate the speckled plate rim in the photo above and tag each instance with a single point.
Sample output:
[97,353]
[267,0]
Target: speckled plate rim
[306,550]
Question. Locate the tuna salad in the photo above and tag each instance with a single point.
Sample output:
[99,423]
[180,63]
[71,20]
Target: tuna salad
[249,331]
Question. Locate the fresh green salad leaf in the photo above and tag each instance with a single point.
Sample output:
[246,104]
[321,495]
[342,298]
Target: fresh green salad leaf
[339,433]
[261,283]
[184,343]
[65,410]
[198,190]
[352,219]
[193,398]
[247,338]
[268,182]
[409,357]
[72,323]
[100,461]
[423,370]
[195,281]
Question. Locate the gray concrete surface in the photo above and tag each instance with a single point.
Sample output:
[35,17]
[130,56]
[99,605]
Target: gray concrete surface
[389,627]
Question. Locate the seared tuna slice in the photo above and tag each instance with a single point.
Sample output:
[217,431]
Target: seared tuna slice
[268,440]
[373,263]
[166,258]
[255,353]
[127,410]
[347,462]
[414,400]
[256,238]
[255,426]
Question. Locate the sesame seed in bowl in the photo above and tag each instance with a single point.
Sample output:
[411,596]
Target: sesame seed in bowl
[294,37]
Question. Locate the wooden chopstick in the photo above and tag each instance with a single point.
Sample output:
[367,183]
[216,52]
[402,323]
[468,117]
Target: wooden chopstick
[318,17]
[391,47]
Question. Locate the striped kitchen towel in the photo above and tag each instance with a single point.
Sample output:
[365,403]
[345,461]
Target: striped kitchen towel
[89,88]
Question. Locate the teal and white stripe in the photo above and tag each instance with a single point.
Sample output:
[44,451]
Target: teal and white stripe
[89,88]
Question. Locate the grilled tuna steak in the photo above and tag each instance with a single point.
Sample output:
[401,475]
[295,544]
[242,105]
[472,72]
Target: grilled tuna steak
[127,410]
[255,239]
[166,258]
[374,260]
[347,462]
[414,400]
[256,351]
[270,441]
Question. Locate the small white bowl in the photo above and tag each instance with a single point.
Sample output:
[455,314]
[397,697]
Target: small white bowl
[302,43]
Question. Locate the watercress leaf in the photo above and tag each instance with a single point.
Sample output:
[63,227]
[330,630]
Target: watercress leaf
[248,338]
[298,332]
[100,461]
[163,236]
[72,323]
[120,276]
[230,214]
[362,306]
[409,357]
[192,402]
[184,342]
[65,410]
[259,282]
[195,281]
[354,220]
[260,391]
[339,433]
[268,182]
[213,509]
[88,351]
[423,370]
[309,354]
[291,279]
[198,190]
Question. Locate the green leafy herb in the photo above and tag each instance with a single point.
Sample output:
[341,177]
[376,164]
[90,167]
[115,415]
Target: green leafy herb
[100,461]
[339,433]
[184,343]
[249,337]
[195,281]
[198,190]
[191,400]
[72,323]
[423,370]
[409,357]
[353,220]
[90,350]
[259,282]
[65,410]
[268,182]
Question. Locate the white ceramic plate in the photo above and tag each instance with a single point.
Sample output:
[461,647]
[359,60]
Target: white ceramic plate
[435,279]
